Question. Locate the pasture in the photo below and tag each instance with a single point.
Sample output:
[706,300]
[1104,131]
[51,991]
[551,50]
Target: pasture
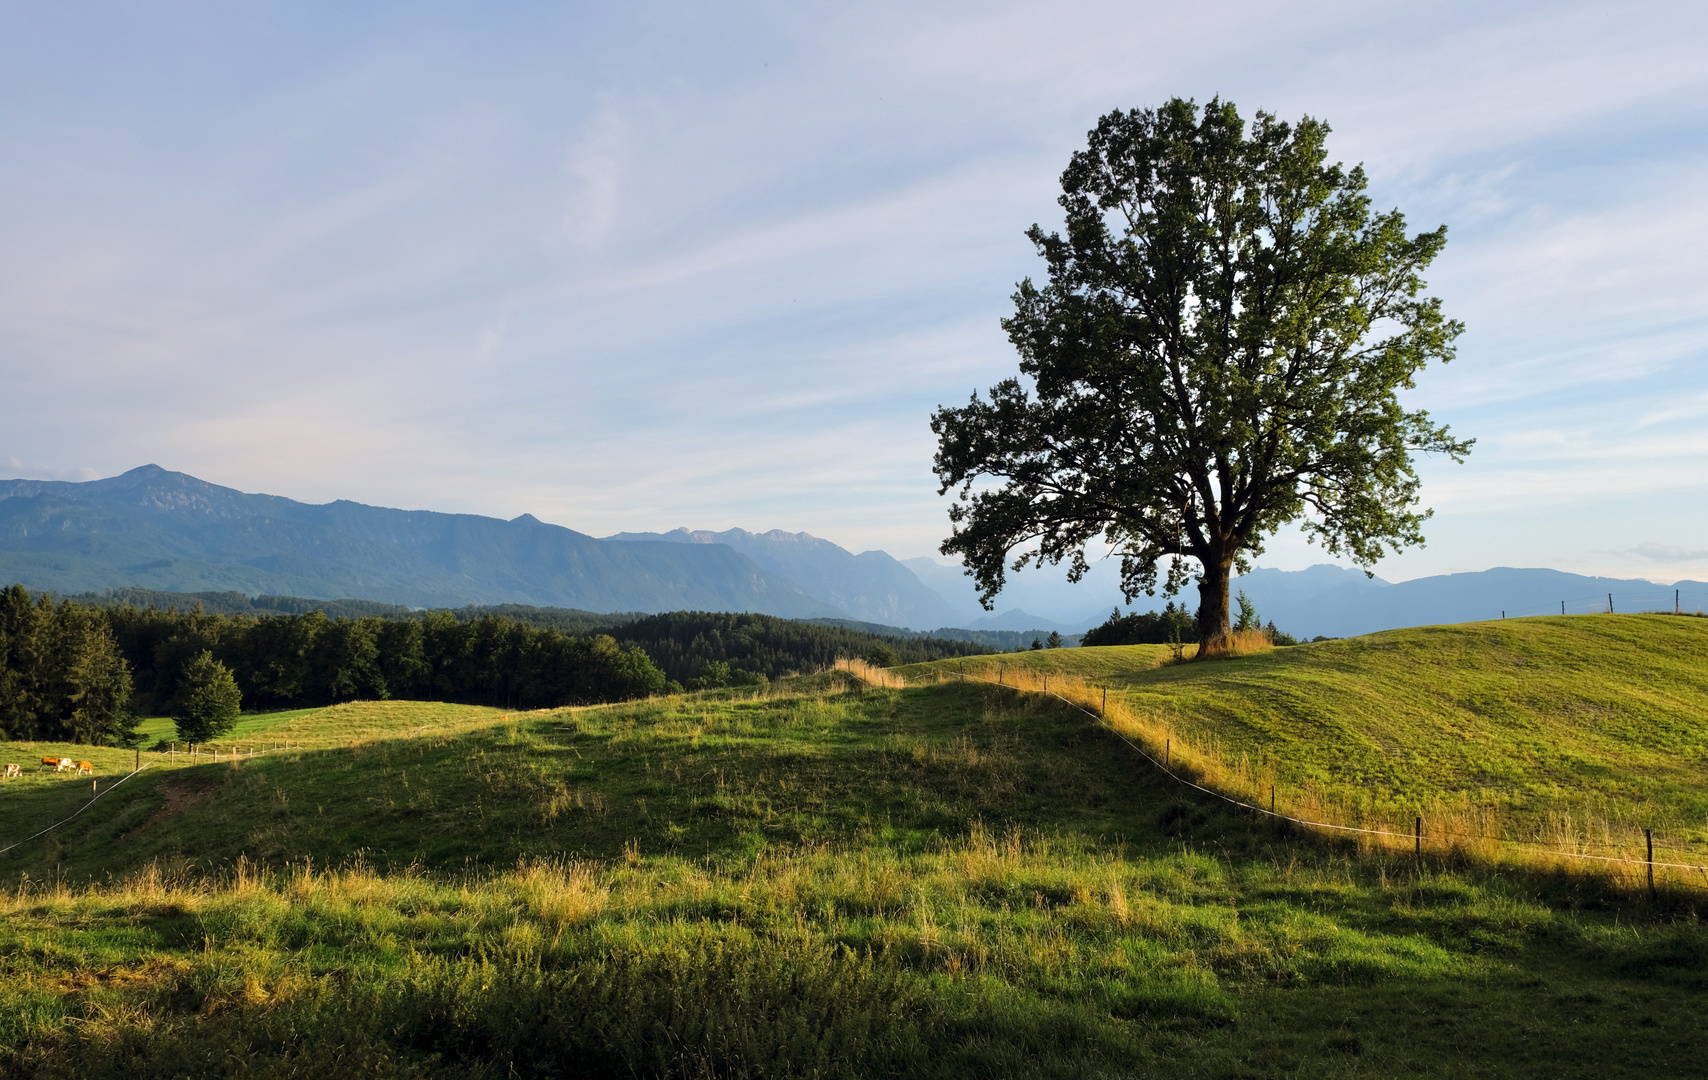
[948,879]
[1582,729]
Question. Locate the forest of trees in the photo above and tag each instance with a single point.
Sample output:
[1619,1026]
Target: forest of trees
[569,620]
[993,640]
[79,672]
[62,675]
[291,661]
[682,642]
[1171,624]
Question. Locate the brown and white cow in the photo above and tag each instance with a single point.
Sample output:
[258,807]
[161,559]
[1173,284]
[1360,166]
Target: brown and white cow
[85,767]
[58,764]
[14,770]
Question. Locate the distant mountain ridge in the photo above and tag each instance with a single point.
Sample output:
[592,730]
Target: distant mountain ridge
[1336,602]
[869,587]
[1066,608]
[154,529]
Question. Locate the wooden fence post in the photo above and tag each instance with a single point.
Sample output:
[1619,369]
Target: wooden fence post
[1105,702]
[1271,799]
[1649,840]
[1167,745]
[1420,836]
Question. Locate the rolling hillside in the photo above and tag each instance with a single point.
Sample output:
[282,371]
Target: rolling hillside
[951,879]
[1517,723]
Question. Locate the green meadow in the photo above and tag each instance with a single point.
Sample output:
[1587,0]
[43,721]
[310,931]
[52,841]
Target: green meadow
[1547,729]
[824,879]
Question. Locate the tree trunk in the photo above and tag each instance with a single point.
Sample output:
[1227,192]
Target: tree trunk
[1214,626]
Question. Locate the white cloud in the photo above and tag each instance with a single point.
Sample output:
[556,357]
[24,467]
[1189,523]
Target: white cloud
[662,265]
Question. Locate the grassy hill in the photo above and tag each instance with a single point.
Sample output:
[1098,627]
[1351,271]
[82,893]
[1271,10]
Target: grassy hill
[951,879]
[1582,729]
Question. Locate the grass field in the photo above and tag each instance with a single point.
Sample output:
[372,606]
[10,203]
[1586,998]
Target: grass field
[1581,730]
[944,880]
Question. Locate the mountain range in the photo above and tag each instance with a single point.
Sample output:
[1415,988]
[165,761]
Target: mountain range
[1336,602]
[155,529]
[871,586]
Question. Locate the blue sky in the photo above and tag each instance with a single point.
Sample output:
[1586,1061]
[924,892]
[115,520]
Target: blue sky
[640,266]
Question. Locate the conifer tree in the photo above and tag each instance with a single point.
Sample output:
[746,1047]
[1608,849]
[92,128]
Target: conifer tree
[98,687]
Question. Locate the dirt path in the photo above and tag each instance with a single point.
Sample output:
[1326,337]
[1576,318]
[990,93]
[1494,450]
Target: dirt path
[179,794]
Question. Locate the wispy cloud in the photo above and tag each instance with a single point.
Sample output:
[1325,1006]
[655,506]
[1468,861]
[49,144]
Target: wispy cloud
[657,265]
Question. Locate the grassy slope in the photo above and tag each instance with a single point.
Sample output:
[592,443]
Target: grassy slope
[1603,712]
[724,775]
[41,797]
[1028,898]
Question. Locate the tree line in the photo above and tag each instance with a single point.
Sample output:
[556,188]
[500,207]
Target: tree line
[683,643]
[569,620]
[295,661]
[1170,625]
[75,672]
[1175,625]
[63,677]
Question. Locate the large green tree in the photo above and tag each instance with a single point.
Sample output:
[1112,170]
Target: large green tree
[97,684]
[208,701]
[1217,353]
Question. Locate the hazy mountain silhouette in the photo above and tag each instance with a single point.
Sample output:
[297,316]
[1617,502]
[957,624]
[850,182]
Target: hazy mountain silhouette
[870,586]
[1337,602]
[1039,596]
[156,529]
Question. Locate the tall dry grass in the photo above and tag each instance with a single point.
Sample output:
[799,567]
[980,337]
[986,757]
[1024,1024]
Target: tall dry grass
[872,676]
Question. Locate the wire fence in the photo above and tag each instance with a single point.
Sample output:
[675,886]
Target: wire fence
[1676,600]
[1417,838]
[232,754]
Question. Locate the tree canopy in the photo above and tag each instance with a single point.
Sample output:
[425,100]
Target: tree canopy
[68,669]
[1217,353]
[63,677]
[208,701]
[1169,626]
